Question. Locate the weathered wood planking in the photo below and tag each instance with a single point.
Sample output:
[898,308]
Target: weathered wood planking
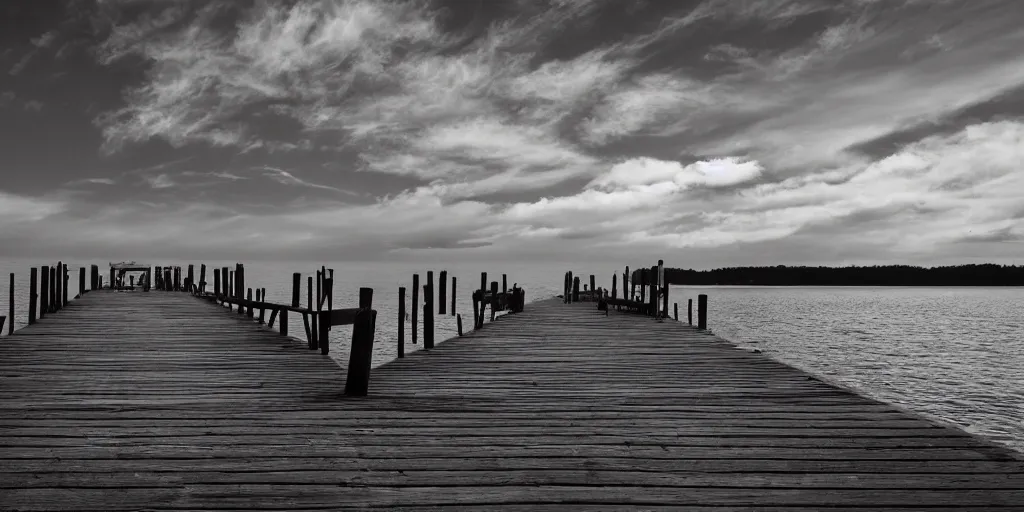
[161,402]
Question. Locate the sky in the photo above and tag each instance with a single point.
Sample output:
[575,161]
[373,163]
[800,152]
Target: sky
[705,132]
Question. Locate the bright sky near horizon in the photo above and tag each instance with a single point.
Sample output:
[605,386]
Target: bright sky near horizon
[714,132]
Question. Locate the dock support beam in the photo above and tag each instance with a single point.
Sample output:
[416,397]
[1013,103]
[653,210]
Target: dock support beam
[357,382]
[401,321]
[415,305]
[33,294]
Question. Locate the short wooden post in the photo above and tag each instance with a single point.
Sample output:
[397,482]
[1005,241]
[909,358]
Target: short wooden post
[401,321]
[689,311]
[675,308]
[415,305]
[702,311]
[33,290]
[453,295]
[442,293]
[494,299]
[458,322]
[10,305]
[360,359]
[248,296]
[576,289]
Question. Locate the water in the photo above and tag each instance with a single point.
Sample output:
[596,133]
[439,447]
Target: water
[955,354]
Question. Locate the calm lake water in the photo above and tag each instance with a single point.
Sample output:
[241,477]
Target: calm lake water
[955,354]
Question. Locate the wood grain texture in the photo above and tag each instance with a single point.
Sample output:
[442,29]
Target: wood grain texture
[162,401]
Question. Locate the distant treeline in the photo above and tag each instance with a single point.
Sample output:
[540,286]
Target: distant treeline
[884,275]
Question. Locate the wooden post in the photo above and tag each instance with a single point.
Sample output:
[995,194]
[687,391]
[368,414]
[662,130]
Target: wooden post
[44,291]
[576,289]
[628,283]
[442,293]
[202,278]
[675,308]
[32,295]
[427,343]
[248,296]
[190,277]
[311,319]
[360,359]
[319,291]
[64,280]
[664,288]
[428,318]
[643,285]
[702,311]
[81,281]
[504,283]
[593,283]
[453,295]
[565,288]
[483,284]
[296,288]
[655,302]
[10,306]
[476,309]
[458,322]
[572,283]
[494,299]
[401,321]
[415,305]
[240,279]
[689,311]
[615,286]
[58,287]
[216,281]
[53,290]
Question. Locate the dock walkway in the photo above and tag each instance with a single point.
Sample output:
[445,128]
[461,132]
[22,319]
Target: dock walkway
[162,401]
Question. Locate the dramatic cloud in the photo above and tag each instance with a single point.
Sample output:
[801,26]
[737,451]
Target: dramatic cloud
[806,129]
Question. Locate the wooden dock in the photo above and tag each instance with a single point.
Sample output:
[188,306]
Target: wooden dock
[164,401]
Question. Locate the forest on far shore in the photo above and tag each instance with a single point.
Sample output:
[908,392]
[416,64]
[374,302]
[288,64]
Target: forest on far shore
[878,275]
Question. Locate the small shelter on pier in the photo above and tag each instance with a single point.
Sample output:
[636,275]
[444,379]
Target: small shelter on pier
[120,271]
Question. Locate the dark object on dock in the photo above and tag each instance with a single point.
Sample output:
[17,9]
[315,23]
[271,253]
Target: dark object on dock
[453,295]
[415,305]
[689,311]
[401,321]
[33,295]
[442,292]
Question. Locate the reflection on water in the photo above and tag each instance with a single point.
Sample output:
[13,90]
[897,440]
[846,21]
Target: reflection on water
[952,353]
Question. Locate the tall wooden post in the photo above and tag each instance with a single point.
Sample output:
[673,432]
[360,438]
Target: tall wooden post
[504,283]
[689,311]
[216,281]
[428,311]
[643,285]
[311,331]
[81,281]
[360,359]
[628,283]
[249,310]
[202,278]
[33,291]
[675,308]
[494,299]
[52,306]
[442,293]
[415,305]
[476,309]
[576,289]
[483,293]
[453,295]
[44,291]
[401,321]
[565,288]
[64,280]
[615,286]
[655,303]
[593,284]
[702,311]
[10,307]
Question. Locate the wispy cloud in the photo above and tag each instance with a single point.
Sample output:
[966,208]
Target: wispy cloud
[287,178]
